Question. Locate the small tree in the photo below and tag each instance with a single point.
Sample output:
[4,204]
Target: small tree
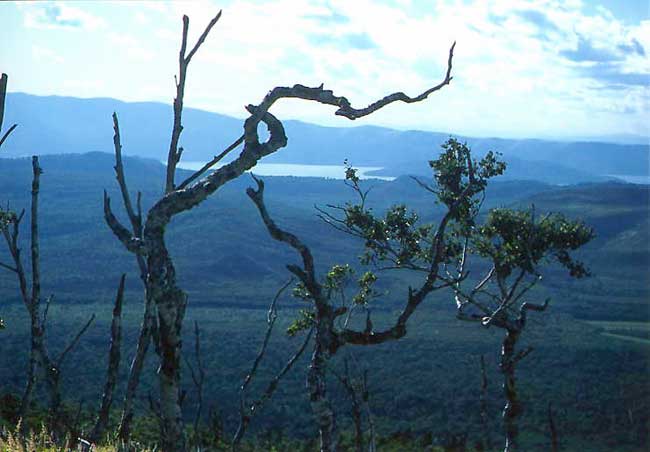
[516,244]
[41,362]
[394,241]
[147,237]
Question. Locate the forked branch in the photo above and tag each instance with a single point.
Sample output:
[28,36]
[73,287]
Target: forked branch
[175,152]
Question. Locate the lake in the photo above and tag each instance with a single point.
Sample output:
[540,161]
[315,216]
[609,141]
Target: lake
[292,169]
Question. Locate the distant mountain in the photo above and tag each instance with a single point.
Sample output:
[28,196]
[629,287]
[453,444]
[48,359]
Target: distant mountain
[518,169]
[52,125]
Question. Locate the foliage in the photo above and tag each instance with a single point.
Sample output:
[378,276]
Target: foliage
[514,239]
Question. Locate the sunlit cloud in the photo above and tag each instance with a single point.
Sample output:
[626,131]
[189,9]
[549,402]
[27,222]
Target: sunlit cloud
[521,67]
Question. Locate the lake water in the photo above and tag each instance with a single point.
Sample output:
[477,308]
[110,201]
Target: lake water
[632,179]
[291,169]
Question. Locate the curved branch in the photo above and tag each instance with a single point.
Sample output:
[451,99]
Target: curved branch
[133,244]
[308,277]
[217,158]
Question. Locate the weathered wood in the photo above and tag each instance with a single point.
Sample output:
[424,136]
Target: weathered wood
[113,366]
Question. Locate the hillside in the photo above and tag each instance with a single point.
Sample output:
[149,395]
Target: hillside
[75,237]
[231,269]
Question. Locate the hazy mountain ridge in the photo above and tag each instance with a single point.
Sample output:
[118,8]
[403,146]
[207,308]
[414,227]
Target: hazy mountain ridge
[53,125]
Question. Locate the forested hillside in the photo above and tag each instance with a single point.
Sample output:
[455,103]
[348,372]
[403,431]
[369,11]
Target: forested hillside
[590,356]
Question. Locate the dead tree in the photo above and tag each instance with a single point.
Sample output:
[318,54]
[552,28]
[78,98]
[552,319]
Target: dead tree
[112,368]
[161,286]
[395,241]
[248,409]
[5,216]
[515,243]
[148,328]
[483,401]
[40,360]
[198,378]
[356,388]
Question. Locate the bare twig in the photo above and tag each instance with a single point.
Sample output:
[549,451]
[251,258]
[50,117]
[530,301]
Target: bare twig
[7,133]
[254,407]
[3,94]
[73,342]
[198,377]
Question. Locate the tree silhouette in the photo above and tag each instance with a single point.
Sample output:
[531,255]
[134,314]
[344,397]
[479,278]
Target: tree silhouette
[515,244]
[394,241]
[147,235]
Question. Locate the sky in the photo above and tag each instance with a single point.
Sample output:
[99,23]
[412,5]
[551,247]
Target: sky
[537,69]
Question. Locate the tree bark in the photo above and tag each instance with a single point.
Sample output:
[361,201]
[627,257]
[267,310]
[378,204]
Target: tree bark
[319,401]
[170,302]
[113,366]
[513,407]
[144,340]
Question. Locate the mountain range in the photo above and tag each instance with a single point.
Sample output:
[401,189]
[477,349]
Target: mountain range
[58,125]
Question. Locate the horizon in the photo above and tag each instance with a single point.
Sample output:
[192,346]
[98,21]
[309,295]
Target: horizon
[595,82]
[621,139]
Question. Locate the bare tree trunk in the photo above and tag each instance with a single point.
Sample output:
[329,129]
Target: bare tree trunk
[555,443]
[513,407]
[320,404]
[171,302]
[113,366]
[144,339]
[483,405]
[358,428]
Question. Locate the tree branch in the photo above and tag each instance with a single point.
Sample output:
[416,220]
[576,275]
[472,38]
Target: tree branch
[257,196]
[113,366]
[35,249]
[74,341]
[136,219]
[271,317]
[174,154]
[132,243]
[217,158]
[3,94]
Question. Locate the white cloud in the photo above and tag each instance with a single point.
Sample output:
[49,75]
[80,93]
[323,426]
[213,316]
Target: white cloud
[58,15]
[520,67]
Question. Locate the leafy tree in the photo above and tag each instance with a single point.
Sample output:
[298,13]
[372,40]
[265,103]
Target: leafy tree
[516,244]
[147,235]
[393,241]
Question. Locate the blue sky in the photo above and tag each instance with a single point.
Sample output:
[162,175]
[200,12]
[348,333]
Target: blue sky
[522,68]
